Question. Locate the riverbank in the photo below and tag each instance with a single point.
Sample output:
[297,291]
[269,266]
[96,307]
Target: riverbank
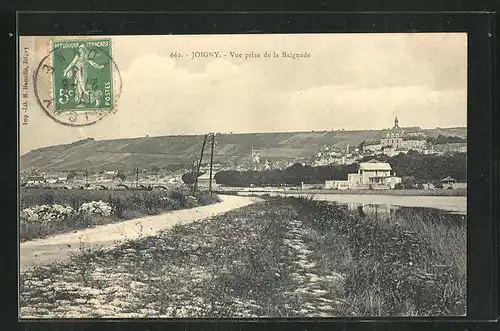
[282,257]
[453,204]
[409,192]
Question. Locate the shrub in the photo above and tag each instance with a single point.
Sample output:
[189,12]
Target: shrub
[96,207]
[46,213]
[205,198]
[118,207]
[87,208]
[180,197]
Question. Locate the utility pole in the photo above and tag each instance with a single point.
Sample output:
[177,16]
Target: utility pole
[211,163]
[194,165]
[86,177]
[199,164]
[137,178]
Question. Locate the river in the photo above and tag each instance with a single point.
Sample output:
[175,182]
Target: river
[452,204]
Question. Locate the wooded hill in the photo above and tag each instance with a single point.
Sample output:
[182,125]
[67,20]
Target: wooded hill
[172,151]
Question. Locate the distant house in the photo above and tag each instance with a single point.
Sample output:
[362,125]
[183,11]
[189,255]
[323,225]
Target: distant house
[204,180]
[35,181]
[414,144]
[337,184]
[372,147]
[61,180]
[391,152]
[448,182]
[450,148]
[108,176]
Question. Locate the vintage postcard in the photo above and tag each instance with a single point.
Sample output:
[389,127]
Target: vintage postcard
[243,176]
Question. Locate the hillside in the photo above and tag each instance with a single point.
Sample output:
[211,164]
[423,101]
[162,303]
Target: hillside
[146,152]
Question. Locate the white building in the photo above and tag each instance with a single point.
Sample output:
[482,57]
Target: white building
[204,181]
[108,176]
[338,185]
[35,181]
[372,147]
[371,174]
[414,144]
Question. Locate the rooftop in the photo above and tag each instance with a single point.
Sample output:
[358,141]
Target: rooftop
[374,165]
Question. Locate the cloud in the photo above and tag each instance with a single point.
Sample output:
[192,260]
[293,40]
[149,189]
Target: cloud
[351,81]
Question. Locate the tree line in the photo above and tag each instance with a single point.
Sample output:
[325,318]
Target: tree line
[441,140]
[413,167]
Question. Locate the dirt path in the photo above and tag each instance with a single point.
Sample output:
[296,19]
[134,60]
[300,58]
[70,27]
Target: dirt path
[59,247]
[311,286]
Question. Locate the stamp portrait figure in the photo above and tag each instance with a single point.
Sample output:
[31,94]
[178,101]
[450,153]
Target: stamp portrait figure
[77,71]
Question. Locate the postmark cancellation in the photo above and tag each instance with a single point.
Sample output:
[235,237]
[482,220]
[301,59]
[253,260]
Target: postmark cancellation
[77,83]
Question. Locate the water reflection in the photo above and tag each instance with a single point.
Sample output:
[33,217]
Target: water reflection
[369,209]
[390,211]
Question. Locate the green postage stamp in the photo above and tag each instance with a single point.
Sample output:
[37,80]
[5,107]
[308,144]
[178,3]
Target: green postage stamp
[83,75]
[78,83]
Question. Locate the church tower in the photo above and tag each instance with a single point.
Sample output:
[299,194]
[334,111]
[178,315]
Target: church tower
[396,122]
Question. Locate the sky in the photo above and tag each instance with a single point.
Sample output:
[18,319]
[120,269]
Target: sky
[350,81]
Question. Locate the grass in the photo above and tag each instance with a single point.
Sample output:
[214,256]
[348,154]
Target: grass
[126,205]
[408,265]
[282,257]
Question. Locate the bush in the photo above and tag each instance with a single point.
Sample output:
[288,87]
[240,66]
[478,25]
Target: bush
[87,208]
[118,207]
[180,197]
[96,208]
[398,186]
[205,198]
[46,213]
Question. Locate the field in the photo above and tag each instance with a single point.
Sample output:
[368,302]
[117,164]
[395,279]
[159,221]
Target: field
[282,257]
[60,214]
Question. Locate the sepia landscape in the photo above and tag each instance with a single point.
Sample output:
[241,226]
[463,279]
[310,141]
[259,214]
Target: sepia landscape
[244,189]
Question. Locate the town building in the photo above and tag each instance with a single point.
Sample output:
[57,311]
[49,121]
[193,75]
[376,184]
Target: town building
[108,176]
[392,137]
[398,140]
[372,147]
[372,174]
[204,181]
[35,181]
[414,144]
[450,148]
[391,152]
[451,183]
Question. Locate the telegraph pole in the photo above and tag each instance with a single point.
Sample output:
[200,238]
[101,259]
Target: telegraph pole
[199,164]
[86,177]
[137,178]
[194,165]
[211,163]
